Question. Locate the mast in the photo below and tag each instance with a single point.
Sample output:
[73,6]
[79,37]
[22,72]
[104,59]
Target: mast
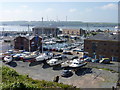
[42,35]
[66,18]
[3,32]
[29,37]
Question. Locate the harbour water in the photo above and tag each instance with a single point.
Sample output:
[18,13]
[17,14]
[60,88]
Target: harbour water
[25,28]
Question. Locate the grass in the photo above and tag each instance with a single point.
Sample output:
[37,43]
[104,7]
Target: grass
[13,80]
[107,69]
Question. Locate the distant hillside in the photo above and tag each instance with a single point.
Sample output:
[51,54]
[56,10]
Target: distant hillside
[59,23]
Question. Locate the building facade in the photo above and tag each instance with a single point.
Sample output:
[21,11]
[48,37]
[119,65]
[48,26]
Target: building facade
[31,43]
[47,31]
[78,32]
[103,45]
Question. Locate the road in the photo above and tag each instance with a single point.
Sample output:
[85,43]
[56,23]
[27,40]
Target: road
[83,78]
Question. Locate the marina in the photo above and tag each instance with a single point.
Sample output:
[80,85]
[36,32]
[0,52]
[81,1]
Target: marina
[69,45]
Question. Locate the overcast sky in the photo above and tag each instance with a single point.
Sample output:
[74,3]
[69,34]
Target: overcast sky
[75,11]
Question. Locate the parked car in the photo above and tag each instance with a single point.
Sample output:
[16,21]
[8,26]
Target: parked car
[95,60]
[105,60]
[88,59]
[66,73]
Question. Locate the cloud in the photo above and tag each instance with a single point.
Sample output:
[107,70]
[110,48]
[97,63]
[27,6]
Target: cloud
[49,10]
[88,10]
[109,6]
[29,11]
[72,10]
[24,6]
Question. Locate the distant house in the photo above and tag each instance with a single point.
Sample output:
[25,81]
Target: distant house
[31,43]
[78,32]
[47,31]
[103,45]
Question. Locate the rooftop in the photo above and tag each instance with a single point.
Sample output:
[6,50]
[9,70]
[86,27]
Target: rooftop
[47,27]
[28,37]
[105,37]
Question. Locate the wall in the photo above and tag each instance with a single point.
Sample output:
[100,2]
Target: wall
[107,49]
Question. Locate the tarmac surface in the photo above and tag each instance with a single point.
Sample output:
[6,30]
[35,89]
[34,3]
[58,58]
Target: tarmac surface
[85,77]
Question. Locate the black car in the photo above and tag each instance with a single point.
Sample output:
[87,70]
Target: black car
[66,73]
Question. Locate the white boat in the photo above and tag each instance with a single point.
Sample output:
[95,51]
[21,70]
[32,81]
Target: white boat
[43,57]
[54,62]
[8,59]
[66,63]
[76,63]
[117,27]
[18,56]
[50,42]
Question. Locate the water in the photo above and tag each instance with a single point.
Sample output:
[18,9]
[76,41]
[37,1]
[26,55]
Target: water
[89,28]
[25,28]
[15,28]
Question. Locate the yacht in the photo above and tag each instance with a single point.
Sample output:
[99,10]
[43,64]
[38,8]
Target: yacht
[44,56]
[54,62]
[76,63]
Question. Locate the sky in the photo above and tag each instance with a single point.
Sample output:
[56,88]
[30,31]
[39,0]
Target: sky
[59,11]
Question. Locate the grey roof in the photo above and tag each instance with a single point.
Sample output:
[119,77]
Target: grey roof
[28,37]
[105,37]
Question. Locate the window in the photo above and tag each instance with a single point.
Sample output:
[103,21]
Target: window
[72,32]
[94,46]
[67,32]
[105,44]
[87,48]
[111,50]
[117,50]
[104,50]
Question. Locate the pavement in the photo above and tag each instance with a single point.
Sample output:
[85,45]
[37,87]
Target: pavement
[84,77]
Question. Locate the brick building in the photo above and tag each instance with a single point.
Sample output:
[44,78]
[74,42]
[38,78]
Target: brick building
[78,32]
[103,45]
[31,43]
[54,31]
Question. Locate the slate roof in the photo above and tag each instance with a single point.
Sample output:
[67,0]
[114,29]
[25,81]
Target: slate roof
[28,37]
[105,36]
